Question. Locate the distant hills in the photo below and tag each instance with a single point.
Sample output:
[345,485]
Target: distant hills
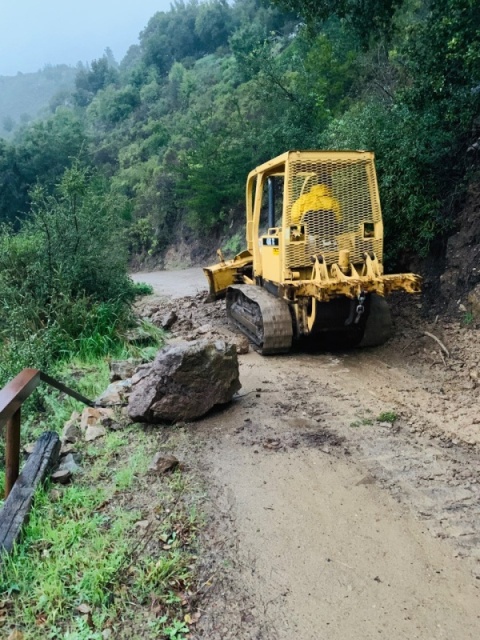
[25,96]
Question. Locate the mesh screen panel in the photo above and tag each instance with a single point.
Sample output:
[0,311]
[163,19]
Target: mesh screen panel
[336,202]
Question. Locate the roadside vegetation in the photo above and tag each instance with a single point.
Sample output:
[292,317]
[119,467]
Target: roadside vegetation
[215,88]
[111,555]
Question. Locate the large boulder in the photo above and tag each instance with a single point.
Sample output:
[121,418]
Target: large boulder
[184,382]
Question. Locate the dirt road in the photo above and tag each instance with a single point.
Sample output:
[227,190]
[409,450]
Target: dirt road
[343,500]
[173,284]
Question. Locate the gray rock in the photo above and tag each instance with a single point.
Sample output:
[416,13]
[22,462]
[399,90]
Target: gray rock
[140,373]
[62,476]
[67,448]
[168,320]
[93,433]
[122,369]
[28,449]
[69,464]
[163,463]
[71,430]
[115,394]
[185,381]
[242,345]
[204,329]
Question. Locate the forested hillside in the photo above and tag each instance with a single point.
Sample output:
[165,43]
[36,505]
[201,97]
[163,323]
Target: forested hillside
[138,161]
[26,96]
[213,89]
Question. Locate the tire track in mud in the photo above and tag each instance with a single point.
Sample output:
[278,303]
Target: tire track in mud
[324,520]
[319,509]
[438,479]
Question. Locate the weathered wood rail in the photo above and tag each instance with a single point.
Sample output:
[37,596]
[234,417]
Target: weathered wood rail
[17,506]
[19,490]
[11,399]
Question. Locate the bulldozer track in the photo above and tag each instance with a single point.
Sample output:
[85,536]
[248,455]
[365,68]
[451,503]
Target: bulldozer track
[264,319]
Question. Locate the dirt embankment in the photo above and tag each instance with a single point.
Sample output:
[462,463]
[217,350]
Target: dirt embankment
[462,273]
[342,488]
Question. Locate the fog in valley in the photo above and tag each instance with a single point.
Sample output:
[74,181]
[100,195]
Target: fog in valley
[33,34]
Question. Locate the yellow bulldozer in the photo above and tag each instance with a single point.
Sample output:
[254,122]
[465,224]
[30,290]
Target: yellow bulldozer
[314,259]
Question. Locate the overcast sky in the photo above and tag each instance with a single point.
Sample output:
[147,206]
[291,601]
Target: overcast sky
[38,32]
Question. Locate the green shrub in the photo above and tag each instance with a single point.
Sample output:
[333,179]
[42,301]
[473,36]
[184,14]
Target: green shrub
[64,286]
[142,289]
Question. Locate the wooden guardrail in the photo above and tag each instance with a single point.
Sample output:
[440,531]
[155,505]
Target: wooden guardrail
[12,396]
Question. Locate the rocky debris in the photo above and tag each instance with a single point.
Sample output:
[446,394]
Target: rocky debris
[90,425]
[272,443]
[185,381]
[123,369]
[94,422]
[161,464]
[166,321]
[92,416]
[69,463]
[242,344]
[94,432]
[66,449]
[204,329]
[71,430]
[115,394]
[62,476]
[191,315]
[194,319]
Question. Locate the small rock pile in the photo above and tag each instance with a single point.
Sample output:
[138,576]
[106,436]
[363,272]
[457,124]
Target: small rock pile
[88,426]
[191,318]
[183,383]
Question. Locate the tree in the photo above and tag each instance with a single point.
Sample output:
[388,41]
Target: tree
[89,81]
[171,36]
[110,106]
[42,152]
[369,18]
[213,24]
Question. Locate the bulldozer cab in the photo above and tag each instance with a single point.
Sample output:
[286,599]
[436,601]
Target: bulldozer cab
[329,204]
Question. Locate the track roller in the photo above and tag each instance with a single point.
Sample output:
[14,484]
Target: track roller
[263,318]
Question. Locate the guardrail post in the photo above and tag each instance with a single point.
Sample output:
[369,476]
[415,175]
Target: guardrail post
[12,451]
[11,398]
